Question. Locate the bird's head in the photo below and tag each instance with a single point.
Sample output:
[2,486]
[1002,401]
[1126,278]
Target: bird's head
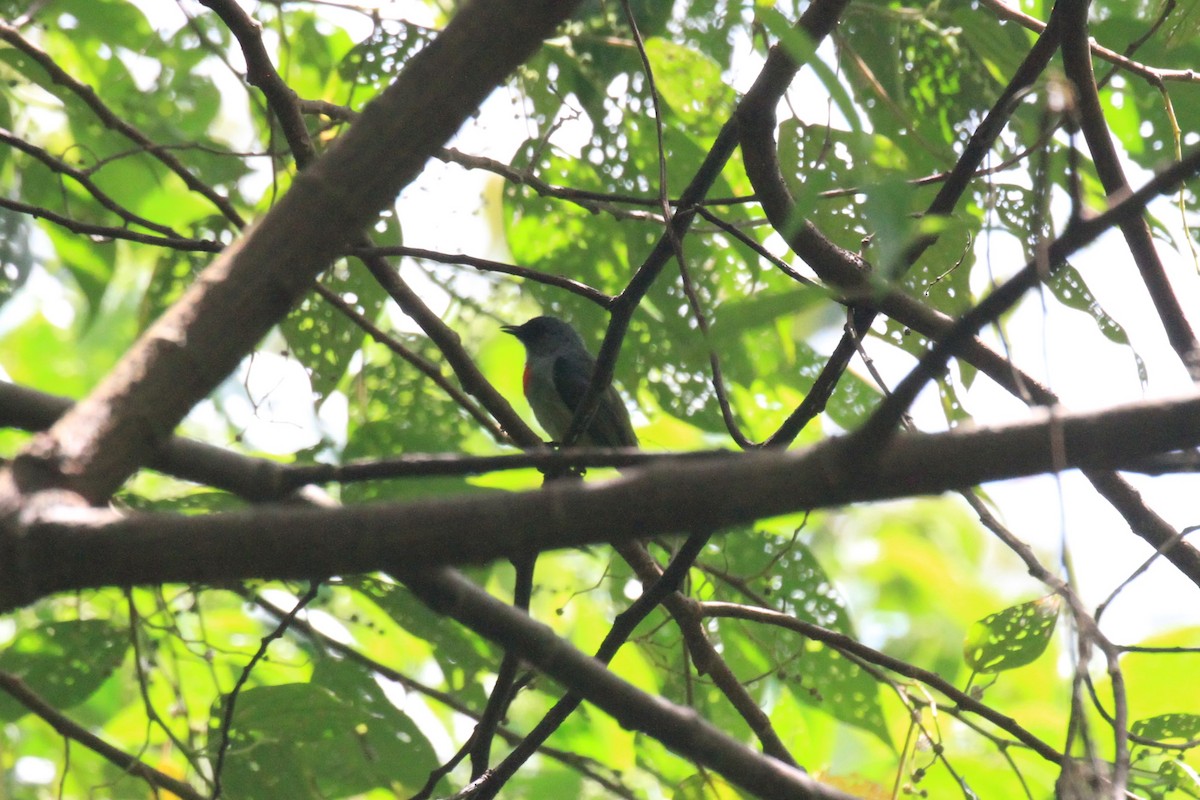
[545,335]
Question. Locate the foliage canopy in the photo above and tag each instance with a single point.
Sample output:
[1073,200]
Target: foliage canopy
[786,222]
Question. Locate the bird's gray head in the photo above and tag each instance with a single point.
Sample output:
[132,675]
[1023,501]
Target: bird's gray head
[545,335]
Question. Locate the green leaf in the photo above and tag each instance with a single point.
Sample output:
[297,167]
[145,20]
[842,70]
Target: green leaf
[1184,25]
[797,584]
[321,336]
[64,662]
[460,654]
[706,786]
[16,255]
[304,740]
[1072,291]
[92,267]
[1160,773]
[802,49]
[372,63]
[1013,637]
[1164,727]
[173,273]
[690,83]
[114,23]
[550,780]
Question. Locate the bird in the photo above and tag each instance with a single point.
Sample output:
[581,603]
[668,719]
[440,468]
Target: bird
[558,368]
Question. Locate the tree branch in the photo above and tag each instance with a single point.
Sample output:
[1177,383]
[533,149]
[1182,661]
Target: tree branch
[200,340]
[1152,75]
[1077,62]
[655,591]
[62,548]
[1078,233]
[17,689]
[846,644]
[817,21]
[680,729]
[113,120]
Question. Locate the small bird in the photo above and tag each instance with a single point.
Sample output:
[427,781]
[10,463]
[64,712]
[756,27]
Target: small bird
[558,368]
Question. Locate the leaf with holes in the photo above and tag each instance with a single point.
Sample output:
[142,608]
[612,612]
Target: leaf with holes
[1013,637]
[1182,727]
[1071,290]
[303,740]
[64,662]
[820,676]
[1160,771]
[690,83]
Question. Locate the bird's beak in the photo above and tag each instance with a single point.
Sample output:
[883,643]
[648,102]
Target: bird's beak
[511,329]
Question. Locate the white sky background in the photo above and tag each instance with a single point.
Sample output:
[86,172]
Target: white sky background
[444,210]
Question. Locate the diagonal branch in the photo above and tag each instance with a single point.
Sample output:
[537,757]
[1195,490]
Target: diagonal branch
[111,231]
[1077,62]
[1152,75]
[85,181]
[18,690]
[817,21]
[680,729]
[200,340]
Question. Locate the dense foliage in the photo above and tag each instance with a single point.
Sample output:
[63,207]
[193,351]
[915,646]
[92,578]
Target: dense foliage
[927,151]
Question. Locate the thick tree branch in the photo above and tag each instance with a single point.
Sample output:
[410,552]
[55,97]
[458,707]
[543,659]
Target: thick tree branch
[256,281]
[258,479]
[64,548]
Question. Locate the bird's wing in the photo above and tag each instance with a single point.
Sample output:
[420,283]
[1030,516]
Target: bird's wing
[571,376]
[610,424]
